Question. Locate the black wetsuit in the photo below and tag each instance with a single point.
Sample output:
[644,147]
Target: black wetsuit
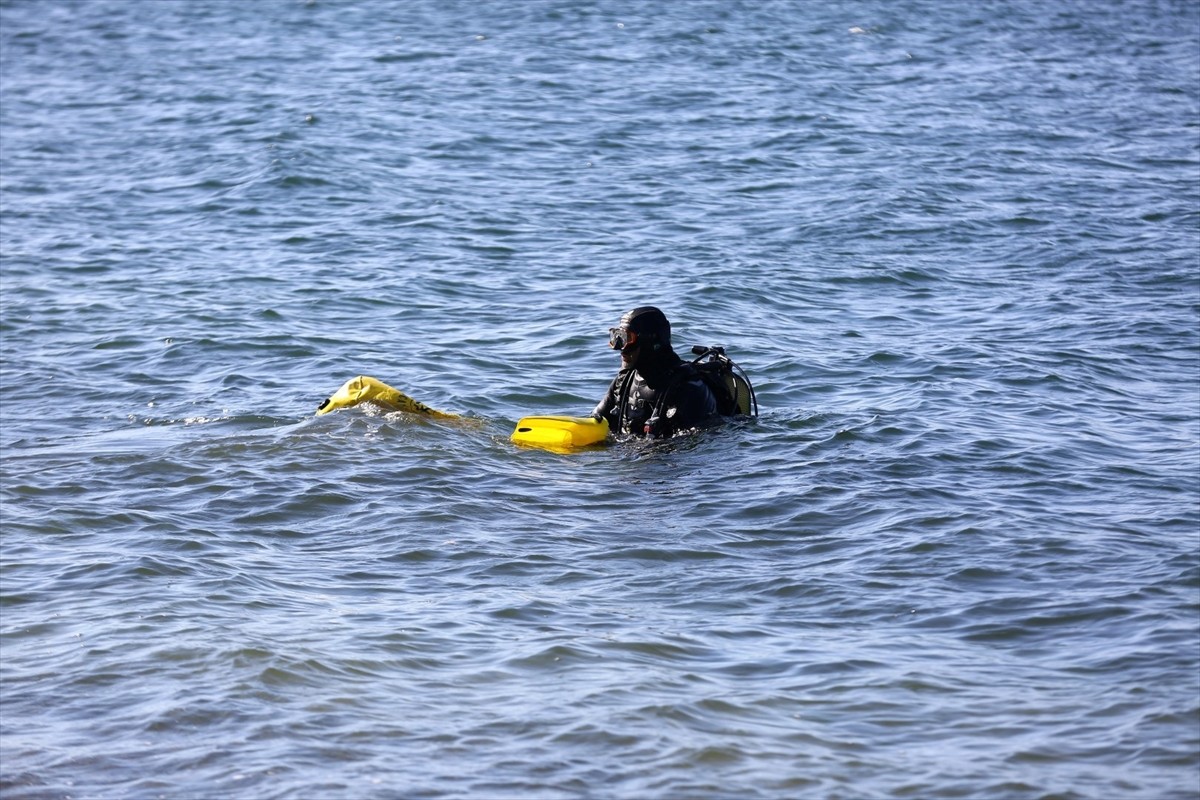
[658,400]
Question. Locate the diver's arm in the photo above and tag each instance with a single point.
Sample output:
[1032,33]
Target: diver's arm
[605,408]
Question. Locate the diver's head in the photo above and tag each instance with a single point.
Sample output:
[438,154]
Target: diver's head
[643,334]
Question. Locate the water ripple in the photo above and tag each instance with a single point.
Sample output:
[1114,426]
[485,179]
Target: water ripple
[956,555]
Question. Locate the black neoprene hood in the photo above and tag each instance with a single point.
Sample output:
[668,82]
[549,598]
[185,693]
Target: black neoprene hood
[648,323]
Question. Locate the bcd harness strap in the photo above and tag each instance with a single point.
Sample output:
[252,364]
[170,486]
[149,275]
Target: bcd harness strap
[719,366]
[650,427]
[682,374]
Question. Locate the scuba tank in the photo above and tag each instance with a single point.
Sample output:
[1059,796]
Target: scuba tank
[728,382]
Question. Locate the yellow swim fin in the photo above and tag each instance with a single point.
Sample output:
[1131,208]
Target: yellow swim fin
[365,389]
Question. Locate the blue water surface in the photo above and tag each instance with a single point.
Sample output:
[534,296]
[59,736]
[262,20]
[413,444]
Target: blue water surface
[955,246]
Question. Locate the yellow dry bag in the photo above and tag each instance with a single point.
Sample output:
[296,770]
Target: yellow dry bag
[364,389]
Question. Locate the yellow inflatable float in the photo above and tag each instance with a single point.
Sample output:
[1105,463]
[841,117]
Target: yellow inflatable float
[365,389]
[560,434]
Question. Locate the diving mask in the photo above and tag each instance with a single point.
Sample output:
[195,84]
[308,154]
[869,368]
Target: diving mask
[621,338]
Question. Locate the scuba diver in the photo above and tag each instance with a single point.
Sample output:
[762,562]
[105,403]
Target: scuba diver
[658,394]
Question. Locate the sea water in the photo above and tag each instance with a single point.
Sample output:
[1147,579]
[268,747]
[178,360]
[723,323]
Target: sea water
[956,246]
